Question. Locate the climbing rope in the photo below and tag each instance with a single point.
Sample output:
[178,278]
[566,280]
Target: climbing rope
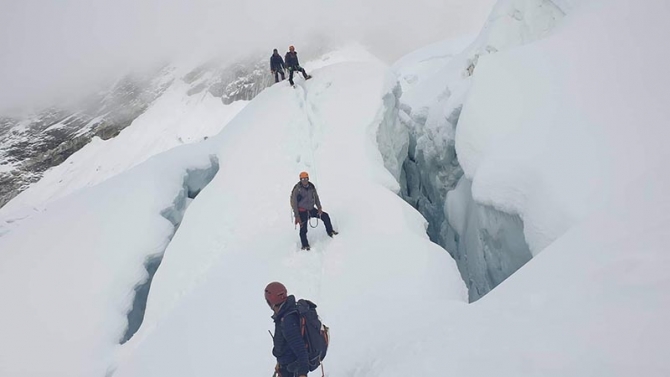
[317,221]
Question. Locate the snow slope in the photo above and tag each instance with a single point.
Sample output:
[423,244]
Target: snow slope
[593,303]
[574,114]
[235,237]
[173,119]
[357,278]
[67,273]
[568,132]
[562,127]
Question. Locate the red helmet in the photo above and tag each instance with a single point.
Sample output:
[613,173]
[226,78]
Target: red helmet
[304,175]
[275,293]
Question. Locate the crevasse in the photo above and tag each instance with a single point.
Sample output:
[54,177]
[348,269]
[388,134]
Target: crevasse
[487,244]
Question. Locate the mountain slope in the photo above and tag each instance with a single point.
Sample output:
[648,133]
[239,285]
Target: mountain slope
[545,134]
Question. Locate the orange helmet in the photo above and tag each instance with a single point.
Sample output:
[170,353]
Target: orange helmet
[304,175]
[275,294]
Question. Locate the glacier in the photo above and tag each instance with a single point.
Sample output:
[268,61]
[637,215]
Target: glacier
[436,81]
[552,149]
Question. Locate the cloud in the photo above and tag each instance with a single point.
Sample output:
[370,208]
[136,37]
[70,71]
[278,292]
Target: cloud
[57,48]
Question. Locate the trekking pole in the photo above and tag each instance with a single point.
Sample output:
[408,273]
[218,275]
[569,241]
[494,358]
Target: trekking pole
[273,340]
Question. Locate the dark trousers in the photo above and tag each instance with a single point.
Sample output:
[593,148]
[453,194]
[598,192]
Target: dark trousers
[283,372]
[304,223]
[296,68]
[279,72]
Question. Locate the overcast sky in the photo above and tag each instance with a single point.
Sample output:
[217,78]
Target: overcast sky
[57,48]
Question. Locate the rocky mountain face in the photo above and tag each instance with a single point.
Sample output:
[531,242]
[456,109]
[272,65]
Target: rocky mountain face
[31,145]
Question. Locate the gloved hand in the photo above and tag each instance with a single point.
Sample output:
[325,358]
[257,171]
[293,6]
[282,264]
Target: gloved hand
[297,220]
[320,211]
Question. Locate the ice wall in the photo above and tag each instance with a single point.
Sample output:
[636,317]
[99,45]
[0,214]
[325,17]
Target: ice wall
[488,244]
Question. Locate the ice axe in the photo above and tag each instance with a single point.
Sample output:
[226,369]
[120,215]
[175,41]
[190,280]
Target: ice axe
[276,365]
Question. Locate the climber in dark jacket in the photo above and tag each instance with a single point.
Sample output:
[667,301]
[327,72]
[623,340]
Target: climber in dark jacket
[277,65]
[289,346]
[292,64]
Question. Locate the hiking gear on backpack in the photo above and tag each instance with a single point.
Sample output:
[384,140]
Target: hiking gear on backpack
[275,294]
[314,333]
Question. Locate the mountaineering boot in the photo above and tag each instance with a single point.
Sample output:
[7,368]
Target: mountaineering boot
[305,248]
[333,233]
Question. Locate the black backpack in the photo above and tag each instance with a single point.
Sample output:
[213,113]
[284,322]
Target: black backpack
[314,333]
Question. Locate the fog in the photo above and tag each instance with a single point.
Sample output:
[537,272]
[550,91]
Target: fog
[56,49]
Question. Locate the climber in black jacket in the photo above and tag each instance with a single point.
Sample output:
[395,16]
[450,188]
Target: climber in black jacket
[277,65]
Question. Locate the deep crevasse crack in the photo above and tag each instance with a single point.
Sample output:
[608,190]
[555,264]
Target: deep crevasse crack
[195,180]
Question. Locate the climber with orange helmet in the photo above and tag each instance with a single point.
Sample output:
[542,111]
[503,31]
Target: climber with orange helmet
[292,64]
[304,199]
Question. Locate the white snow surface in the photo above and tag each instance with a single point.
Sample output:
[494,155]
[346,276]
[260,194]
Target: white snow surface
[246,238]
[173,119]
[85,252]
[67,272]
[566,131]
[561,127]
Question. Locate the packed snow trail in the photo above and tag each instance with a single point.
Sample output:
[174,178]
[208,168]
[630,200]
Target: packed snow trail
[236,237]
